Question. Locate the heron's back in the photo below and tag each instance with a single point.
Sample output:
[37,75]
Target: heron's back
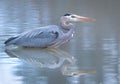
[40,37]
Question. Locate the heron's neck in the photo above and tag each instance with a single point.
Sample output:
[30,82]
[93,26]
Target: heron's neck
[67,26]
[70,33]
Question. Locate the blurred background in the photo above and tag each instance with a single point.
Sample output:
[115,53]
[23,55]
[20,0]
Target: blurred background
[95,46]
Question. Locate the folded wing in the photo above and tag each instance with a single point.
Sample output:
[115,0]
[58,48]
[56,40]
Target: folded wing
[41,37]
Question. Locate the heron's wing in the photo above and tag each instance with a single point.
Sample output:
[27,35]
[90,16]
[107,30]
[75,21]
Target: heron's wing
[31,34]
[41,37]
[42,32]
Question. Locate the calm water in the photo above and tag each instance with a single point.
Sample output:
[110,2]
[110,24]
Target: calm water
[91,57]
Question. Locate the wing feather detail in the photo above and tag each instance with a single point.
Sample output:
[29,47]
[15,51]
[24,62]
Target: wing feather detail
[37,38]
[40,37]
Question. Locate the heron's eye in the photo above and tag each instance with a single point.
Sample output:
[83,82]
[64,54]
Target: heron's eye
[73,17]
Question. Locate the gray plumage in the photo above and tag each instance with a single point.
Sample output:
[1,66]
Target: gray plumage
[48,36]
[41,37]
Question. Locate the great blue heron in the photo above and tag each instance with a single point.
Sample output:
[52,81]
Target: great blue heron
[48,36]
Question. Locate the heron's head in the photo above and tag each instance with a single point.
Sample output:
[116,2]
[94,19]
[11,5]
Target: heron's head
[76,18]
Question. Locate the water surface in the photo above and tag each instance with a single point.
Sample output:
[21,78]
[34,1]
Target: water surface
[95,46]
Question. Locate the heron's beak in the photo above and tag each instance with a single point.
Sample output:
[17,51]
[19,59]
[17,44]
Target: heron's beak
[81,18]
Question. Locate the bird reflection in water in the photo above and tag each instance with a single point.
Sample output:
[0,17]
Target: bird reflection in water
[44,58]
[48,58]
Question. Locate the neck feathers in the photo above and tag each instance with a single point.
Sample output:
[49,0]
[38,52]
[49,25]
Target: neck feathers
[65,24]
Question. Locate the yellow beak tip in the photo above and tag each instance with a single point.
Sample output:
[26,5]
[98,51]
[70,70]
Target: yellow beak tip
[81,18]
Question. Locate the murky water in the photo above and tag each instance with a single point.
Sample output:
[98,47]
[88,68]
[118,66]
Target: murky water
[91,57]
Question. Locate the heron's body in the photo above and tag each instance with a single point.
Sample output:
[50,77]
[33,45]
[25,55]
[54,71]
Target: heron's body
[47,36]
[40,37]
